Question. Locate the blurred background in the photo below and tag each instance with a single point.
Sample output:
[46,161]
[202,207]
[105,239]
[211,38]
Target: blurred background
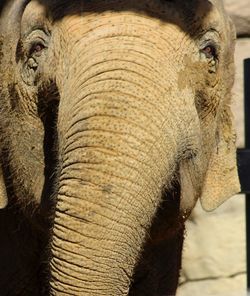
[214,258]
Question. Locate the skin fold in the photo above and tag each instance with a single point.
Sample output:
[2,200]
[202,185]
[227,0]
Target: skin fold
[114,120]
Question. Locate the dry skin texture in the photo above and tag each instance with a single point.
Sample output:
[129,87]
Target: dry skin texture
[114,119]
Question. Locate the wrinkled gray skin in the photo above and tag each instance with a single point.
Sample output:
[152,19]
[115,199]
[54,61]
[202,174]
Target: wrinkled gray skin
[114,119]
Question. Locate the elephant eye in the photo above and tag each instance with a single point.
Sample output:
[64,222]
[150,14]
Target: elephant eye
[210,51]
[36,49]
[210,54]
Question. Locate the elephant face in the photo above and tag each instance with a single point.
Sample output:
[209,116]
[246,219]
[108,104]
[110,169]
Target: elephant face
[105,105]
[191,40]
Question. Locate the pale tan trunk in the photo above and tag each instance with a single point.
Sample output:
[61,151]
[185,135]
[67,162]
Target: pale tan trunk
[115,157]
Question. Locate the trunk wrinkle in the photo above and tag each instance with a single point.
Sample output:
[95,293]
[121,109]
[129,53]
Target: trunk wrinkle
[94,166]
[119,223]
[96,94]
[110,117]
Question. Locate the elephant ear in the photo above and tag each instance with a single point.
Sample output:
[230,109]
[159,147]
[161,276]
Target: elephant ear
[221,180]
[3,192]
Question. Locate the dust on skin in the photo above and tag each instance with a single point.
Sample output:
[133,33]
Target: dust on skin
[206,100]
[187,76]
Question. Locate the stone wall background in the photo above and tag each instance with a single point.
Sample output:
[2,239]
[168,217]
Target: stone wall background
[214,258]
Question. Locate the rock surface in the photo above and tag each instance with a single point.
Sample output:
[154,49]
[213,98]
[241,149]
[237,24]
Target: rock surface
[214,259]
[216,287]
[240,14]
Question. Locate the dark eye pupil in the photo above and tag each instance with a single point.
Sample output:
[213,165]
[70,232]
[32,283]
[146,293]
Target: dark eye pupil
[38,47]
[209,51]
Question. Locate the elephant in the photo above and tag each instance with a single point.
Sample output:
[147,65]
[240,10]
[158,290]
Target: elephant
[115,120]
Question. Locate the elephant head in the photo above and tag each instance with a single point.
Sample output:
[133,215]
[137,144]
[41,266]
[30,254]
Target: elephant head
[106,105]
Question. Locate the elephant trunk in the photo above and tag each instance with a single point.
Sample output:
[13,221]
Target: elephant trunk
[118,146]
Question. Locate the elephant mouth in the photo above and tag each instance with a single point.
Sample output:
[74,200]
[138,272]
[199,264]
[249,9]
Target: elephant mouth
[168,219]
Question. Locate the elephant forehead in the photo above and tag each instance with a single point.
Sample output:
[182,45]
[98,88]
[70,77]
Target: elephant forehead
[124,23]
[181,13]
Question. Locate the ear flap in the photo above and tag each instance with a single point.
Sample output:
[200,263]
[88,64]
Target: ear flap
[3,193]
[190,188]
[221,180]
